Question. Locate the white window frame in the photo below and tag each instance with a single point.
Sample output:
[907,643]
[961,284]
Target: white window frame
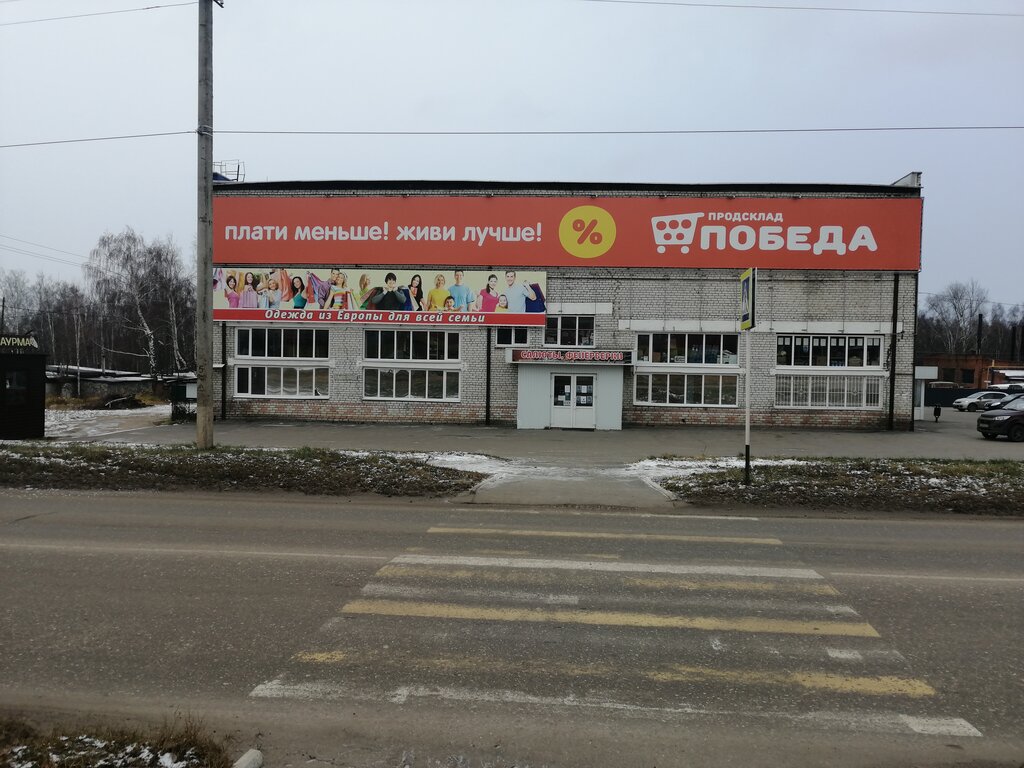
[724,359]
[448,374]
[672,377]
[448,354]
[821,391]
[297,370]
[868,341]
[320,342]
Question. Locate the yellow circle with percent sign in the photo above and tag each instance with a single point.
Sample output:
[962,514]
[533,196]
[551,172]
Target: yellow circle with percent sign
[587,232]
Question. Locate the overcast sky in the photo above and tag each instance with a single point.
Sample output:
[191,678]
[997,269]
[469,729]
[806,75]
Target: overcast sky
[516,65]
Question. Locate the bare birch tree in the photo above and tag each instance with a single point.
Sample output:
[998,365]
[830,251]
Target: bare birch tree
[954,313]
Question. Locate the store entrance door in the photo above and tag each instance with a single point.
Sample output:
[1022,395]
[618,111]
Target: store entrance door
[572,401]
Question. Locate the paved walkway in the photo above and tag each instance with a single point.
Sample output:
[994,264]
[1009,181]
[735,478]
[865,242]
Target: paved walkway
[544,467]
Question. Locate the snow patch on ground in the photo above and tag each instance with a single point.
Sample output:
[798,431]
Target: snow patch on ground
[90,423]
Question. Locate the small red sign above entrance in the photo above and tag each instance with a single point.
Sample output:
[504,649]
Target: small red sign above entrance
[589,356]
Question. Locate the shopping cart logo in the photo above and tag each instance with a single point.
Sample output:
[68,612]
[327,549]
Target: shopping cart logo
[676,231]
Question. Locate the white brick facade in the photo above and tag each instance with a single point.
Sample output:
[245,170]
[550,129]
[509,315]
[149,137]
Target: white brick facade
[625,302]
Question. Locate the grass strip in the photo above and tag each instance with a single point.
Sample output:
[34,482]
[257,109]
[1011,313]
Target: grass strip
[313,471]
[935,485]
[181,743]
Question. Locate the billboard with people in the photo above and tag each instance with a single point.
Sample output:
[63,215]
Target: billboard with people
[342,294]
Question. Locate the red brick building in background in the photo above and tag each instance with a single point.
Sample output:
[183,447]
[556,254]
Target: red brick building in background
[967,371]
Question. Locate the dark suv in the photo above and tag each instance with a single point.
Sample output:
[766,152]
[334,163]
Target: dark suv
[1006,420]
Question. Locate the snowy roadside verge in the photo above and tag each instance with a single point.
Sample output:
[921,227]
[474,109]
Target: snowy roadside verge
[182,743]
[973,487]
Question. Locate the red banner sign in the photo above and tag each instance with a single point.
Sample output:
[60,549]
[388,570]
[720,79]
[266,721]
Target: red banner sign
[601,356]
[379,316]
[541,232]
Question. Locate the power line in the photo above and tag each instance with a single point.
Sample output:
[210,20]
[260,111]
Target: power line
[95,138]
[99,13]
[653,132]
[57,259]
[23,252]
[40,245]
[650,132]
[741,6]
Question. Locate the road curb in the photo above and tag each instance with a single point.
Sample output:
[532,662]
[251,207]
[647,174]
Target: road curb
[251,759]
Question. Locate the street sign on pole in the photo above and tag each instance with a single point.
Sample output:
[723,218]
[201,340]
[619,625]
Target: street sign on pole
[748,304]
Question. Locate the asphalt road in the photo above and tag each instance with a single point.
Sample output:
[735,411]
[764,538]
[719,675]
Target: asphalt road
[383,633]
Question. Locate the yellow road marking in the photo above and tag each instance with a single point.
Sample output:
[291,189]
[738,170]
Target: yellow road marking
[738,586]
[470,662]
[609,618]
[468,574]
[600,535]
[500,552]
[399,571]
[884,685]
[320,657]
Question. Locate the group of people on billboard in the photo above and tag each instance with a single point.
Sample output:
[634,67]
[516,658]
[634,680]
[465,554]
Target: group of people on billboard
[473,291]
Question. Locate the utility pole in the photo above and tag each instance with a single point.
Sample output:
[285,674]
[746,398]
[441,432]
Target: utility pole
[204,233]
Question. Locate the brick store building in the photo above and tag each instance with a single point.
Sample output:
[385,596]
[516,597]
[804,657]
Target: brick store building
[565,305]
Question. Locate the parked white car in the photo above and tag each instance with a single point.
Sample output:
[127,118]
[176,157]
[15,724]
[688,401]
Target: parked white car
[978,401]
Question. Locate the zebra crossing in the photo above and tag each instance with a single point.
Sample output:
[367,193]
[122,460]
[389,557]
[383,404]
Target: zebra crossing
[667,624]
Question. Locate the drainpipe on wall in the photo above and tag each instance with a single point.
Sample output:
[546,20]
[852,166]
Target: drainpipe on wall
[487,395]
[892,355]
[223,371]
[913,412]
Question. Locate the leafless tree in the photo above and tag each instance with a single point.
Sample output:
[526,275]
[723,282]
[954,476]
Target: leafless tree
[147,297]
[954,314]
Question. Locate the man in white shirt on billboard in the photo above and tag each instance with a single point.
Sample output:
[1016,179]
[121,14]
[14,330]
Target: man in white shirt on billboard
[517,293]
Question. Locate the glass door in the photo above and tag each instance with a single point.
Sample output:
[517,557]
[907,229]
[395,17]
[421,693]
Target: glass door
[573,401]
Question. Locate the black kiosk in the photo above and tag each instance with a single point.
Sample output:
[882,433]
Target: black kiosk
[22,388]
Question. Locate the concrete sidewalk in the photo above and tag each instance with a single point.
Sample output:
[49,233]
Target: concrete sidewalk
[556,467]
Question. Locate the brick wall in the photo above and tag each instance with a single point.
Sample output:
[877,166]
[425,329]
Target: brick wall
[654,299]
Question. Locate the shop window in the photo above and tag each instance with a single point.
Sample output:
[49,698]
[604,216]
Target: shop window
[569,331]
[285,382]
[874,354]
[286,343]
[511,336]
[410,384]
[693,389]
[688,348]
[828,391]
[819,351]
[801,350]
[410,345]
[829,351]
[784,350]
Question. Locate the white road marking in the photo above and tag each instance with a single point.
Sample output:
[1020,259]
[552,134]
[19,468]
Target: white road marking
[589,565]
[882,722]
[861,575]
[556,512]
[844,654]
[940,726]
[841,610]
[130,550]
[717,644]
[390,590]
